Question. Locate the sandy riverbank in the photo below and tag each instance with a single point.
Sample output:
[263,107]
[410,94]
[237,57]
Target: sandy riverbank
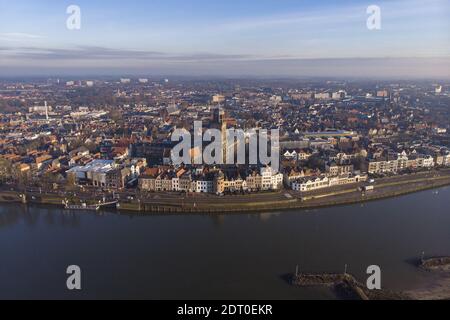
[437,289]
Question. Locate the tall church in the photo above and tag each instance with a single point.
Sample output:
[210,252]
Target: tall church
[219,121]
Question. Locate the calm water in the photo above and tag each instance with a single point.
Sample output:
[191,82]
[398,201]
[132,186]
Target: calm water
[206,257]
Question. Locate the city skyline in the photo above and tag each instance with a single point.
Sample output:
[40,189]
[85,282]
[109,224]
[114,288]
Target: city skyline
[207,151]
[292,38]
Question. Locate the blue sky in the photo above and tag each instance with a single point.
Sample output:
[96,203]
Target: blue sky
[232,37]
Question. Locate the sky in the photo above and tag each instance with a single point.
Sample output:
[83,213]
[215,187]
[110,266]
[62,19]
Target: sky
[269,38]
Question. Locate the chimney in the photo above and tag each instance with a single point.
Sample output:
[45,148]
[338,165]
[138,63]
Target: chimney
[46,111]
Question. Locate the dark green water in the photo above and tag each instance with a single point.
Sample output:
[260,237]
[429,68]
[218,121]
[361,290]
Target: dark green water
[208,257]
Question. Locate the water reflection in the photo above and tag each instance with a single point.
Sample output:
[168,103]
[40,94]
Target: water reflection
[32,216]
[265,216]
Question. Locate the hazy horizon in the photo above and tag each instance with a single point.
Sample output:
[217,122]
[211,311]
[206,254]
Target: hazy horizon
[269,38]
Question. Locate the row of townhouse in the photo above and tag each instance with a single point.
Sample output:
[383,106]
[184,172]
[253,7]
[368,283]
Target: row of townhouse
[267,179]
[334,169]
[443,160]
[293,174]
[401,163]
[156,180]
[324,181]
[176,181]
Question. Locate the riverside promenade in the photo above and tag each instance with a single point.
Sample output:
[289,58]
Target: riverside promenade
[287,199]
[170,202]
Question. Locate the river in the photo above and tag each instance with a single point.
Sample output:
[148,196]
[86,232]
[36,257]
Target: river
[239,256]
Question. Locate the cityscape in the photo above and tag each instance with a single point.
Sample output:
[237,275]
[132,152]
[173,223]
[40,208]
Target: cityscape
[75,136]
[278,165]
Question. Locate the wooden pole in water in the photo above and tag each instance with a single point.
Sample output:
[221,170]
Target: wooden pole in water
[296,271]
[345,270]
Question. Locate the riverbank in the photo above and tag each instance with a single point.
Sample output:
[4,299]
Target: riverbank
[345,286]
[167,203]
[438,288]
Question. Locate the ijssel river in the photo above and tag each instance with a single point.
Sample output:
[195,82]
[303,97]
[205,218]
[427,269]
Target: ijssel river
[227,256]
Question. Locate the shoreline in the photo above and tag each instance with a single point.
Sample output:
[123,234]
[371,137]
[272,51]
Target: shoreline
[267,202]
[344,286]
[348,287]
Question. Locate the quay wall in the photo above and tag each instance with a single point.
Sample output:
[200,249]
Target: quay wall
[236,204]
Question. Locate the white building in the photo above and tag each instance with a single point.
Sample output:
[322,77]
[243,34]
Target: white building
[401,163]
[40,109]
[339,95]
[310,184]
[321,182]
[204,186]
[270,179]
[218,98]
[322,96]
[176,184]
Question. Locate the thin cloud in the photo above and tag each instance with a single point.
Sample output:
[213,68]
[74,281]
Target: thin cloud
[339,15]
[103,53]
[18,36]
[92,54]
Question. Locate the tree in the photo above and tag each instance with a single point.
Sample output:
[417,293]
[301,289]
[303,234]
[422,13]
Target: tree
[21,178]
[5,170]
[48,179]
[71,181]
